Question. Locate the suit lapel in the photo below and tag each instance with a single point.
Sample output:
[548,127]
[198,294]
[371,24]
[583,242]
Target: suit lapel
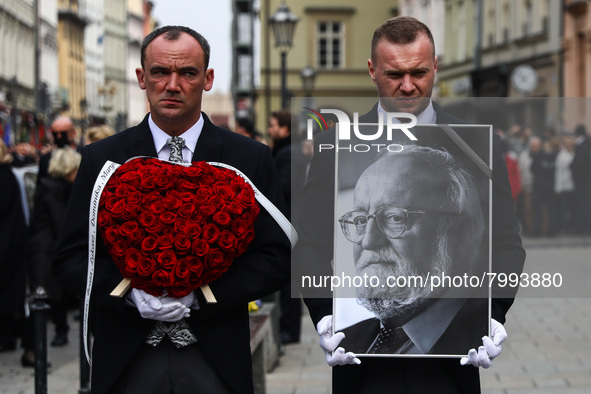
[142,142]
[209,145]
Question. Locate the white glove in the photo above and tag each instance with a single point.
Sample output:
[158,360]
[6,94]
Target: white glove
[189,300]
[329,343]
[155,308]
[491,349]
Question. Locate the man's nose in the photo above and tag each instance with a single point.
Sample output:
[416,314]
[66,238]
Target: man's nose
[374,238]
[407,85]
[173,82]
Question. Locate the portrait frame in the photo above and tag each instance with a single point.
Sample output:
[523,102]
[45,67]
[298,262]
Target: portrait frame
[469,308]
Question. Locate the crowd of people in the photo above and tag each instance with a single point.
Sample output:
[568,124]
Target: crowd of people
[550,176]
[32,214]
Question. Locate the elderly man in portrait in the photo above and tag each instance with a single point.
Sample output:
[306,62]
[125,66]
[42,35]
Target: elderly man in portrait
[416,213]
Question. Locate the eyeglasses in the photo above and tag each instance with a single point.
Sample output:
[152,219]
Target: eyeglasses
[392,221]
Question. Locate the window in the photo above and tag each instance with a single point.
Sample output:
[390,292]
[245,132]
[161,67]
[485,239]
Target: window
[330,40]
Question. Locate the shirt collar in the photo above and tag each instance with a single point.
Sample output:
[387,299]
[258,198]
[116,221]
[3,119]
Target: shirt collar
[425,329]
[190,136]
[428,115]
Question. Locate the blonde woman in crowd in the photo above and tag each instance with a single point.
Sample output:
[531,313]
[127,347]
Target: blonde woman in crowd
[97,133]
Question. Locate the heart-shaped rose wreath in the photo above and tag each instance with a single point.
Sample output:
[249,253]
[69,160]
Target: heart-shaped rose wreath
[171,227]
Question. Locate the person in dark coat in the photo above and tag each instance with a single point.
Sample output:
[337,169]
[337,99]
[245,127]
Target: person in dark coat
[212,353]
[403,64]
[13,252]
[51,199]
[291,169]
[543,168]
[581,169]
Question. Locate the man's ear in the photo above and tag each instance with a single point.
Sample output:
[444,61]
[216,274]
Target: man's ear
[139,73]
[208,79]
[372,71]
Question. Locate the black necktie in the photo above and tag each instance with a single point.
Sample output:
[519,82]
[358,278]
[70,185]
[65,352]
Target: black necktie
[389,340]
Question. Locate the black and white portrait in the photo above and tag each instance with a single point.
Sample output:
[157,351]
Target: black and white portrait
[412,238]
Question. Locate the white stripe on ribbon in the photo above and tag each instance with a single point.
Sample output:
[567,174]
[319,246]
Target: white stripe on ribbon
[104,176]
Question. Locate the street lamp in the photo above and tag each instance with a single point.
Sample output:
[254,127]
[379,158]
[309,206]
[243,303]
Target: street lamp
[283,22]
[308,75]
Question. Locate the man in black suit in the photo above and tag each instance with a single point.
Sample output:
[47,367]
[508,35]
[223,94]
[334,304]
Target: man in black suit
[403,66]
[144,344]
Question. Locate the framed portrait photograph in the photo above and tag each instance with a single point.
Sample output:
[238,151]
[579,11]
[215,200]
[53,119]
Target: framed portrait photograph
[412,245]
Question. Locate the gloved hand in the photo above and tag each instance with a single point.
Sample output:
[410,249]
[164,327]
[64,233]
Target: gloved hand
[491,349]
[329,343]
[154,308]
[189,300]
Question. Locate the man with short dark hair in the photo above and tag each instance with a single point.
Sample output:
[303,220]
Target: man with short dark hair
[403,67]
[147,344]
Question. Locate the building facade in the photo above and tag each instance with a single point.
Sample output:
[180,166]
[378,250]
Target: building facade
[71,58]
[114,90]
[94,38]
[333,37]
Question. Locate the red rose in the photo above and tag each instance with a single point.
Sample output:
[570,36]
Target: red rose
[207,209]
[193,230]
[166,258]
[210,233]
[148,182]
[131,178]
[185,185]
[111,234]
[186,209]
[163,278]
[214,258]
[165,241]
[146,266]
[200,247]
[179,289]
[132,259]
[150,222]
[165,182]
[182,268]
[196,265]
[104,219]
[182,243]
[224,192]
[149,244]
[167,217]
[128,227]
[171,202]
[136,236]
[235,209]
[227,240]
[186,196]
[239,227]
[119,248]
[118,208]
[202,194]
[157,207]
[124,190]
[222,218]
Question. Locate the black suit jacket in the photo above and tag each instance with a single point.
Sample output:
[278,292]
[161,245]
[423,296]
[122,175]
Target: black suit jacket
[315,249]
[360,336]
[222,329]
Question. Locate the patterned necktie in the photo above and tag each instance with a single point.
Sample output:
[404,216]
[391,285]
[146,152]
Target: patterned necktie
[176,149]
[179,332]
[389,340]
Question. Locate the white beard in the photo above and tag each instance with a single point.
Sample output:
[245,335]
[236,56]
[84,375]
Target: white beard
[391,303]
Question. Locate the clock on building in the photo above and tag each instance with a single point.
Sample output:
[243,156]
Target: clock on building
[524,78]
